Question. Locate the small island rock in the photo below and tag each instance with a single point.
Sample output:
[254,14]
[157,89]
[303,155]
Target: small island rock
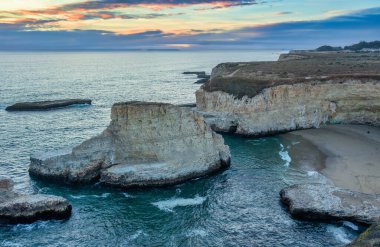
[146,144]
[46,105]
[324,202]
[18,208]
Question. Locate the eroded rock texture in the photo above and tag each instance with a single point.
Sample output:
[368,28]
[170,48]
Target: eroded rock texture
[324,202]
[299,92]
[146,144]
[19,208]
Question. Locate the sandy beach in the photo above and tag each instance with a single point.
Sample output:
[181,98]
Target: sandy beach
[349,155]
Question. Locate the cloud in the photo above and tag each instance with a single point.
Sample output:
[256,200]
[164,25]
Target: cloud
[341,30]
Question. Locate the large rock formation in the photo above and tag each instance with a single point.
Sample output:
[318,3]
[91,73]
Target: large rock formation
[299,91]
[46,105]
[324,202]
[146,144]
[18,208]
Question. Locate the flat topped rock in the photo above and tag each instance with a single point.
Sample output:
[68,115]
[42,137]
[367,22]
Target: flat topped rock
[146,144]
[323,202]
[249,78]
[18,208]
[46,105]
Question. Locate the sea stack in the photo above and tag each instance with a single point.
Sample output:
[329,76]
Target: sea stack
[301,90]
[18,208]
[146,144]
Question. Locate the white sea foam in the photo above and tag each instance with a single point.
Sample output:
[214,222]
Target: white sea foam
[169,205]
[285,155]
[104,195]
[350,225]
[126,195]
[197,233]
[319,177]
[30,227]
[137,234]
[339,234]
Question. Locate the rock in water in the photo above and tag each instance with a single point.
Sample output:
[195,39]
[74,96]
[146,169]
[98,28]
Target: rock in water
[46,105]
[329,203]
[18,208]
[146,144]
[199,74]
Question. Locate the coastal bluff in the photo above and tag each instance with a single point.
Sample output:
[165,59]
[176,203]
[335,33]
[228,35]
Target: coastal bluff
[146,144]
[299,91]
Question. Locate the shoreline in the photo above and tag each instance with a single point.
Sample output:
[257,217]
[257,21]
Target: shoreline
[348,155]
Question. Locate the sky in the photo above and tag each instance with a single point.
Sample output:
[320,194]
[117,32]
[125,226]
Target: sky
[185,24]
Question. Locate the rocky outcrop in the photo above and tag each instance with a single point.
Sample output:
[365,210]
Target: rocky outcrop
[19,208]
[369,238]
[146,144]
[263,98]
[46,105]
[324,202]
[199,74]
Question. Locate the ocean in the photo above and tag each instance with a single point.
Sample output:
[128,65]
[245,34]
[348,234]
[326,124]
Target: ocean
[237,207]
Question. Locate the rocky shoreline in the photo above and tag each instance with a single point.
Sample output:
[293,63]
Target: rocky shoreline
[263,98]
[151,144]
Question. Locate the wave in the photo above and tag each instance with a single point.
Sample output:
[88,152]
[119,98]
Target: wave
[340,234]
[126,195]
[319,177]
[285,155]
[169,205]
[350,225]
[104,195]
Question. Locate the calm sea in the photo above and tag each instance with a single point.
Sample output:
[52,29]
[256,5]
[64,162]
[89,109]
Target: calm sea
[238,207]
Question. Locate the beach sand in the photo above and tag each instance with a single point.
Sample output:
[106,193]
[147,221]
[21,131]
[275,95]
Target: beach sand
[348,155]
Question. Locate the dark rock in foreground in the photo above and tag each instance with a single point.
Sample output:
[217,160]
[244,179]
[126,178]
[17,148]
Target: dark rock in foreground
[201,81]
[46,105]
[323,202]
[146,144]
[369,238]
[18,208]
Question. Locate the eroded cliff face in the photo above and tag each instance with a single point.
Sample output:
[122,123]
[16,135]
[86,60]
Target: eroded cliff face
[290,107]
[146,144]
[299,91]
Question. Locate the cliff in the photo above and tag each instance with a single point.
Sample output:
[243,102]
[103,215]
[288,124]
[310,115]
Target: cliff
[301,90]
[146,144]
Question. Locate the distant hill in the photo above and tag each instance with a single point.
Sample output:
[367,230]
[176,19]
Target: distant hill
[375,45]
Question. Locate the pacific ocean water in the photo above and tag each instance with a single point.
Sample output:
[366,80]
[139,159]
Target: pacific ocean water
[237,207]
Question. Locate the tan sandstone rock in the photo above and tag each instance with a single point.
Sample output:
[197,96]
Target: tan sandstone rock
[262,98]
[146,144]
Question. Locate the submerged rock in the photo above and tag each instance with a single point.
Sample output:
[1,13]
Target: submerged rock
[146,144]
[324,202]
[19,208]
[46,105]
[369,238]
[261,98]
